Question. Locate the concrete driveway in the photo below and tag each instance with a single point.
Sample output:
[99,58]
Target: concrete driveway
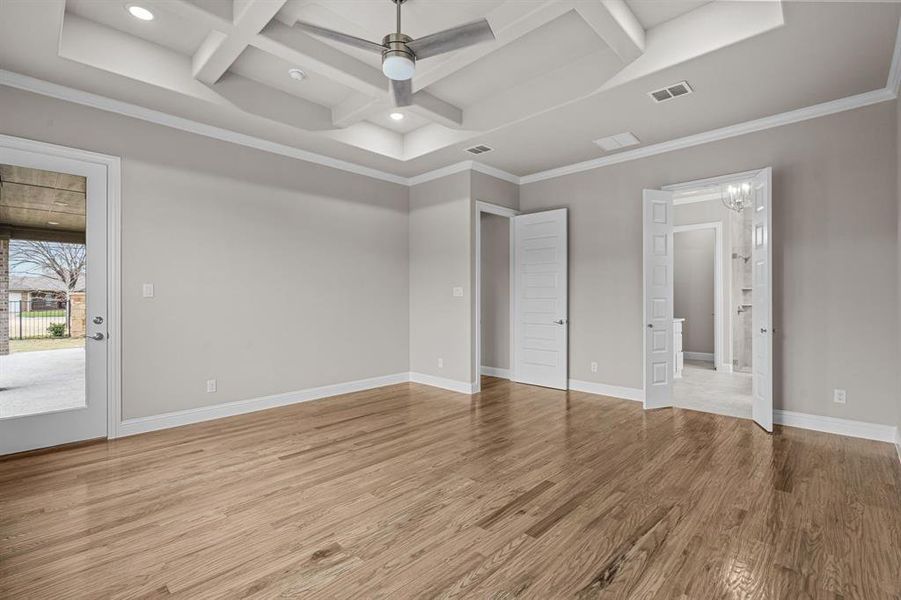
[46,380]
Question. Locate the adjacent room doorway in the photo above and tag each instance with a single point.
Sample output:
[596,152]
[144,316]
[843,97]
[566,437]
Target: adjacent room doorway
[536,349]
[56,384]
[734,378]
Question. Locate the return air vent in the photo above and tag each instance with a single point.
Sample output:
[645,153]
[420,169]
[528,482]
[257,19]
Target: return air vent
[673,91]
[615,142]
[480,149]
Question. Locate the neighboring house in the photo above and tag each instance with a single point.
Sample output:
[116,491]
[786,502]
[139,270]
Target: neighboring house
[37,292]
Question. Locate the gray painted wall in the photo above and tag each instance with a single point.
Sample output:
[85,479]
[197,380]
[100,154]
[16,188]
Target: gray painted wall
[271,274]
[693,287]
[836,253]
[440,260]
[495,317]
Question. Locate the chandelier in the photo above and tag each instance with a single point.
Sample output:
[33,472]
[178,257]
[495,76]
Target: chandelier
[737,197]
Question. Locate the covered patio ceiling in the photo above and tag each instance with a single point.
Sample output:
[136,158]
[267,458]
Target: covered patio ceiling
[41,204]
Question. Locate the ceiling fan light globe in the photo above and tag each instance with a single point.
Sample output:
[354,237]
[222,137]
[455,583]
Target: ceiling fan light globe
[398,67]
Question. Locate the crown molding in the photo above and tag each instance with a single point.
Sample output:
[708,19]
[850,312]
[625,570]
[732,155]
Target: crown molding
[61,92]
[466,165]
[496,173]
[715,135]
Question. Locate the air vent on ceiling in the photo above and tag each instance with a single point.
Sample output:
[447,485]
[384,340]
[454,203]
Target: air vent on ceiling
[480,149]
[673,91]
[615,142]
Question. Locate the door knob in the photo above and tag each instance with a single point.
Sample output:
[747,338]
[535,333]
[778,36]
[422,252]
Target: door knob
[560,321]
[650,326]
[762,330]
[97,336]
[98,320]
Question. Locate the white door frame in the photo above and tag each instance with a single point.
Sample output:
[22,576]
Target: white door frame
[113,167]
[508,213]
[719,291]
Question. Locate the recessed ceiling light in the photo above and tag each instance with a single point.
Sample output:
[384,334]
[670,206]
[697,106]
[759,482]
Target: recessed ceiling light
[397,116]
[139,12]
[297,74]
[52,223]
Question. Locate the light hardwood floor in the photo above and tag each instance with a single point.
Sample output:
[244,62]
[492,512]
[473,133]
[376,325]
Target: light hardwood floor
[413,492]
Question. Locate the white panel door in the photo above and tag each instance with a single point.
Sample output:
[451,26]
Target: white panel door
[761,300]
[540,299]
[87,418]
[658,298]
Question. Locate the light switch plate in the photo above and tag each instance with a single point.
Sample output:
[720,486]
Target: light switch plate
[839,396]
[210,385]
[458,292]
[148,290]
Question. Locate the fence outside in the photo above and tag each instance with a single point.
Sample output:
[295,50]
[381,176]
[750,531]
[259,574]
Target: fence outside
[39,318]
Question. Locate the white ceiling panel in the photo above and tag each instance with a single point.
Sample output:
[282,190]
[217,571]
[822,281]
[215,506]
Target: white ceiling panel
[540,51]
[166,29]
[651,13]
[273,71]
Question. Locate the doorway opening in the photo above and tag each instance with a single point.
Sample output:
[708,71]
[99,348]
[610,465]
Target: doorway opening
[708,302]
[59,380]
[524,258]
[494,285]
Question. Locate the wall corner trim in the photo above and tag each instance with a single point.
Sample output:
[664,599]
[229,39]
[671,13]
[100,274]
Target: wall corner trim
[603,389]
[495,372]
[898,442]
[846,427]
[462,387]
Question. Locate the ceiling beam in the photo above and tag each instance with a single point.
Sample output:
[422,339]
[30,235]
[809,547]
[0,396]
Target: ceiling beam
[221,49]
[616,24]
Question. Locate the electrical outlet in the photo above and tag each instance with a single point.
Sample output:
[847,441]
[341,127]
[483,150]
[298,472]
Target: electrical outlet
[147,290]
[440,363]
[210,385]
[839,396]
[594,367]
[458,292]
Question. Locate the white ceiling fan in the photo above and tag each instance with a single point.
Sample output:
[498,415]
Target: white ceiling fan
[400,52]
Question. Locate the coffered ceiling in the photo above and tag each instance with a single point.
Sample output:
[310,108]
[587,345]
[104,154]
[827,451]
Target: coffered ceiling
[560,74]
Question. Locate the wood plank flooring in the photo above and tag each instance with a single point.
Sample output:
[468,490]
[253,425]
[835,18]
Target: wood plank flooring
[413,492]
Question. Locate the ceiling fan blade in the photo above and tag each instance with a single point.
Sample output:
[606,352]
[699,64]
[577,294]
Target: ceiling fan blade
[337,36]
[402,92]
[452,39]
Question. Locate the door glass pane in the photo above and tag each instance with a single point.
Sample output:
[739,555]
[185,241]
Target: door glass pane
[42,291]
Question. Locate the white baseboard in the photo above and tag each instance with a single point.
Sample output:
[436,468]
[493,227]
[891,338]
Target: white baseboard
[496,372]
[725,368]
[614,391]
[705,356]
[453,385]
[218,411]
[847,427]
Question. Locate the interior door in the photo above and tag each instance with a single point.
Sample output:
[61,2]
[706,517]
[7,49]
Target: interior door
[761,300]
[540,328]
[82,373]
[658,298]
